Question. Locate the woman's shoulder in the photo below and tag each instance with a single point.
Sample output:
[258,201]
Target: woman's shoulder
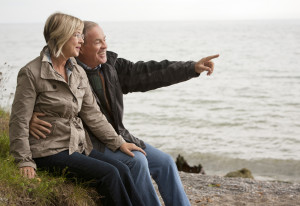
[33,63]
[33,66]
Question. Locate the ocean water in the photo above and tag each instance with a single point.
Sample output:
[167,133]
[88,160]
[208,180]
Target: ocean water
[247,114]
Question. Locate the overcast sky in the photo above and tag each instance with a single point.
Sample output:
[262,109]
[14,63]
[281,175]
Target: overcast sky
[21,11]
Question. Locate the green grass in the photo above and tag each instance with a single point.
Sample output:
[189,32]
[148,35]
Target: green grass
[43,190]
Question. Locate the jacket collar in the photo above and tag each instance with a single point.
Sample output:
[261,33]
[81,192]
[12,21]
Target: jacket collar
[86,67]
[47,70]
[111,57]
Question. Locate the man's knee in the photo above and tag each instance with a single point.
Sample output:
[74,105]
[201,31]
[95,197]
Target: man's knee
[167,161]
[139,161]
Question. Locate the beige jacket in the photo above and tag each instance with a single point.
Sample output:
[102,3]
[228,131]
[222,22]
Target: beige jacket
[41,89]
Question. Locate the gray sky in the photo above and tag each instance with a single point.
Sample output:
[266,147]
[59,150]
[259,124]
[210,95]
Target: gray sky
[20,11]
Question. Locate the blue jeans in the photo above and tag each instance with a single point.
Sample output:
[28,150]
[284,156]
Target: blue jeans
[163,170]
[109,174]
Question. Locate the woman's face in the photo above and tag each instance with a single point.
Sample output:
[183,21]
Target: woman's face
[72,46]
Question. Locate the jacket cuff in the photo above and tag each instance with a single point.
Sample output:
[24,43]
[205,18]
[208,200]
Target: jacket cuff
[27,164]
[191,71]
[118,144]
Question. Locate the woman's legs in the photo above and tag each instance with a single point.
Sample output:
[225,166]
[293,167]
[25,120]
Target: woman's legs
[125,175]
[90,167]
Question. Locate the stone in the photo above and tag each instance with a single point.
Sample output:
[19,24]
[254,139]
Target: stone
[244,173]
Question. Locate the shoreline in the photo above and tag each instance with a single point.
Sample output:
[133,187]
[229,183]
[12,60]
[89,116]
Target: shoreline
[209,190]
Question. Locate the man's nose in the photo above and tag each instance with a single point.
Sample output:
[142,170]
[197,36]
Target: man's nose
[104,45]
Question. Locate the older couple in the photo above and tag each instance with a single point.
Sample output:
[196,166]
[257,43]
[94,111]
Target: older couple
[59,99]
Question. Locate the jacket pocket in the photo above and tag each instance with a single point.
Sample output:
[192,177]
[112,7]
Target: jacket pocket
[52,129]
[47,93]
[48,87]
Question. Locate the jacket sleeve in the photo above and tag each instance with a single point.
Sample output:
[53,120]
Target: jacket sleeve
[144,76]
[21,113]
[92,116]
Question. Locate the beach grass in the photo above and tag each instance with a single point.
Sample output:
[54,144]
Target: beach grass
[45,189]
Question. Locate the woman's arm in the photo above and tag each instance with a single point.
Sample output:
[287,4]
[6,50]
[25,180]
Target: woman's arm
[21,113]
[95,120]
[98,124]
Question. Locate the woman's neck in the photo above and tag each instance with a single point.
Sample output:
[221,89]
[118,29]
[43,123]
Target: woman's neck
[59,64]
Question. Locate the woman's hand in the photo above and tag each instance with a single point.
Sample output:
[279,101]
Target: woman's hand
[128,147]
[28,172]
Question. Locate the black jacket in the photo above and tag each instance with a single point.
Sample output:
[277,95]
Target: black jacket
[122,76]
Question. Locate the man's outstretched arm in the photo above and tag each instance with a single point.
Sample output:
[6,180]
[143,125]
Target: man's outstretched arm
[144,76]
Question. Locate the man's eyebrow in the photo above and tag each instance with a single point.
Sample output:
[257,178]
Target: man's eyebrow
[100,39]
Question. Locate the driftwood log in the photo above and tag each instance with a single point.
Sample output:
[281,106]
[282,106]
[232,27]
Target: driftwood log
[182,165]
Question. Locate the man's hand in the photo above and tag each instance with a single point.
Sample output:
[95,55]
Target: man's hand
[37,126]
[28,172]
[128,147]
[205,64]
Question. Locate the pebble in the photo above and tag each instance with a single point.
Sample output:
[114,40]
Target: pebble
[206,190]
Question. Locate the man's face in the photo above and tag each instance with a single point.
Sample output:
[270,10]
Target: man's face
[93,51]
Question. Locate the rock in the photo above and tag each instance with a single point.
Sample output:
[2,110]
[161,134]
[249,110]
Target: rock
[182,165]
[244,173]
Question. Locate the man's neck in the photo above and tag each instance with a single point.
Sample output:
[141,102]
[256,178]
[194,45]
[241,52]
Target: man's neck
[86,62]
[86,66]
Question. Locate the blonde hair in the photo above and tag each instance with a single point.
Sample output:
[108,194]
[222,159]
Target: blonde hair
[58,29]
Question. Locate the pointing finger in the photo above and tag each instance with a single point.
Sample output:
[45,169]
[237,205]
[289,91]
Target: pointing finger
[206,59]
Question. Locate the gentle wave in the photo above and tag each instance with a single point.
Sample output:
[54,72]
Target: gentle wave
[264,169]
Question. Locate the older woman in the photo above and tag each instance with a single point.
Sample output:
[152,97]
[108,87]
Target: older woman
[55,85]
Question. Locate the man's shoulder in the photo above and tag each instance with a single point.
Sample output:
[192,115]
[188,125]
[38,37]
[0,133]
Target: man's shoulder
[111,57]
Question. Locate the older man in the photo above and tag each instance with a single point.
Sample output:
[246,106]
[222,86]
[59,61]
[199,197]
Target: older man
[111,77]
